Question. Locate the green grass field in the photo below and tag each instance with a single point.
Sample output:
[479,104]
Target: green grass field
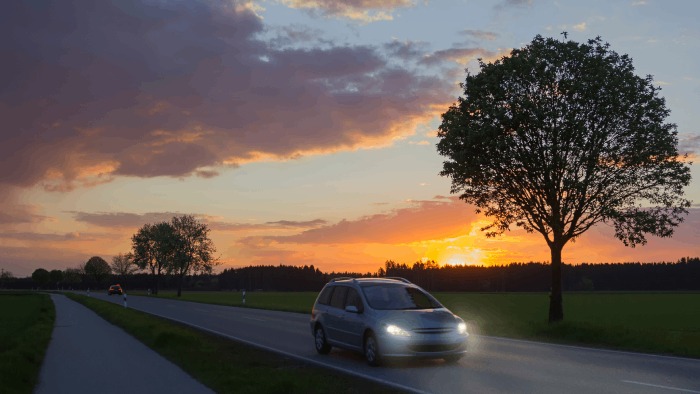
[664,323]
[26,323]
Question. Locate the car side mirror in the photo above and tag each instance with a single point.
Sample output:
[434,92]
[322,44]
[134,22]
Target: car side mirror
[351,309]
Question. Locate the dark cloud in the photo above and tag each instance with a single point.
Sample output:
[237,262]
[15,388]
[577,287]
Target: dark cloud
[45,237]
[408,51]
[297,224]
[122,219]
[95,90]
[132,220]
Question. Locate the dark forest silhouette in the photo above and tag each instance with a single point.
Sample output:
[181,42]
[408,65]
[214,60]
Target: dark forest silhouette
[683,275]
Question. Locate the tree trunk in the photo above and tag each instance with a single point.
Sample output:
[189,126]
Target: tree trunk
[556,304]
[179,286]
[156,282]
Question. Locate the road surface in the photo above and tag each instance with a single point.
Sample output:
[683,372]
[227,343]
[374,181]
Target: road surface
[89,355]
[493,365]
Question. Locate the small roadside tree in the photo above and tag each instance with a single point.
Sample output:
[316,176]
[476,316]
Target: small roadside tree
[72,277]
[56,277]
[40,277]
[193,252]
[97,269]
[123,265]
[560,136]
[5,277]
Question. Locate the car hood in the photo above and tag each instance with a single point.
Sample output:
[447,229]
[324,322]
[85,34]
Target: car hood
[421,319]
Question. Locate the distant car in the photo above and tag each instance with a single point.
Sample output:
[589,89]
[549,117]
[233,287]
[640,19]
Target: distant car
[385,318]
[115,289]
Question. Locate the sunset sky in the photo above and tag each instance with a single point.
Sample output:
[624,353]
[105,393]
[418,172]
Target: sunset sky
[301,131]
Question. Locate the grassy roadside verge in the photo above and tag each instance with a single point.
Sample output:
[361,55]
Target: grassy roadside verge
[661,323]
[225,365]
[26,323]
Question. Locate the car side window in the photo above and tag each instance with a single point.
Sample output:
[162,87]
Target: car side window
[325,297]
[338,297]
[353,298]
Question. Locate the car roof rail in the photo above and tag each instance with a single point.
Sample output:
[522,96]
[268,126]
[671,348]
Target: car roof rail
[398,278]
[342,278]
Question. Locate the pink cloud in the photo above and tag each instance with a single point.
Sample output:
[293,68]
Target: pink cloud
[181,88]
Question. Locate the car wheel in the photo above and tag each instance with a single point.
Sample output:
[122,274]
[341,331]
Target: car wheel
[372,350]
[453,358]
[322,347]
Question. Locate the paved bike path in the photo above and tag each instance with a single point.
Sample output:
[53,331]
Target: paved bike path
[87,354]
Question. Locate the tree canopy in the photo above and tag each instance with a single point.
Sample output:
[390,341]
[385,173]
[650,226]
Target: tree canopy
[181,246]
[41,277]
[560,136]
[123,264]
[193,250]
[98,269]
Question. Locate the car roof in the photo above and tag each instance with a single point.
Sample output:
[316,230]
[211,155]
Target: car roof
[373,281]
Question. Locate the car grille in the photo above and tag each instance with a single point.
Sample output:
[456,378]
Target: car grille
[440,330]
[434,348]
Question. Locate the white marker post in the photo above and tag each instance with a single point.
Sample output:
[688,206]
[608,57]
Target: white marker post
[124,300]
[88,292]
[243,296]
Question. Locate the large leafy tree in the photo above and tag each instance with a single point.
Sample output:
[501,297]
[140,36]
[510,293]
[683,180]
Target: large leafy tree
[193,250]
[559,136]
[153,248]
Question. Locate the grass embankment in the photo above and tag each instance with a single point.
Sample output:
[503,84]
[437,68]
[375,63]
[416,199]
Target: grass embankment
[664,323]
[225,365]
[26,323]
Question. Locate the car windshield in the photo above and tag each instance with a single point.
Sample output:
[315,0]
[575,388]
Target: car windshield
[393,297]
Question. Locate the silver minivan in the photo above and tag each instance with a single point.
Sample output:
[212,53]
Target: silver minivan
[385,318]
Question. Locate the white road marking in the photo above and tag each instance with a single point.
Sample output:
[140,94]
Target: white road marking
[591,349]
[661,387]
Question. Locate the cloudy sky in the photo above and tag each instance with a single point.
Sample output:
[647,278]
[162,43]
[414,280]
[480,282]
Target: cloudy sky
[301,131]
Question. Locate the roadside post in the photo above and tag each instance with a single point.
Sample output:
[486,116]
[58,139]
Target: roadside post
[88,292]
[124,300]
[243,296]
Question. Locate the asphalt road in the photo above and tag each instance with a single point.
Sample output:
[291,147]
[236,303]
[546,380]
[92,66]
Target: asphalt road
[493,365]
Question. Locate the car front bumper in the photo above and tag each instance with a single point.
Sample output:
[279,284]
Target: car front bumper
[423,345]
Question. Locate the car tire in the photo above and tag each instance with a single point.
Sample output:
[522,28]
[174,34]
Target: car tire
[322,346]
[371,350]
[453,359]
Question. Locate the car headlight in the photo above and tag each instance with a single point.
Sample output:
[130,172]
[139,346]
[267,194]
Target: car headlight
[397,331]
[462,328]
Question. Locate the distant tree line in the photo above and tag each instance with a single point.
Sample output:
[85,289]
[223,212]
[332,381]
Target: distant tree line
[683,275]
